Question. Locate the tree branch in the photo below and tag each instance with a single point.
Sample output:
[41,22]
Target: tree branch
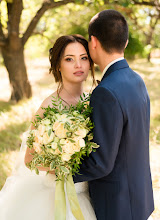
[43,35]
[147,3]
[47,4]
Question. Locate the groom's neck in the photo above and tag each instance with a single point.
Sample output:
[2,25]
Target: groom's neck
[105,59]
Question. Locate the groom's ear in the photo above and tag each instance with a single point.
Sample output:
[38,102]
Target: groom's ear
[126,43]
[93,42]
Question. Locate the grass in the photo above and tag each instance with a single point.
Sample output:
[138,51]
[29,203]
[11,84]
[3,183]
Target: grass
[15,118]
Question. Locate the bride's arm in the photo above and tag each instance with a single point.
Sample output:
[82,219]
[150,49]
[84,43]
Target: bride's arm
[28,155]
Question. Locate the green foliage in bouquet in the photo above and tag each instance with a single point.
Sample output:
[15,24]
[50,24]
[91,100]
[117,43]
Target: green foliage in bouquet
[62,138]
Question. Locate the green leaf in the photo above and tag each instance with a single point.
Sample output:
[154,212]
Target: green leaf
[52,165]
[41,158]
[90,137]
[59,147]
[36,170]
[94,145]
[67,125]
[49,132]
[69,134]
[71,140]
[64,169]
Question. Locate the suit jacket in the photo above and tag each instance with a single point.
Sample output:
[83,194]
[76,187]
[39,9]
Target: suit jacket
[119,171]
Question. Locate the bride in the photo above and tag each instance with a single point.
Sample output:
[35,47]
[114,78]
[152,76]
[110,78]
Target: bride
[26,195]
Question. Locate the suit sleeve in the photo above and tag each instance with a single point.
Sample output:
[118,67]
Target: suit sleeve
[108,121]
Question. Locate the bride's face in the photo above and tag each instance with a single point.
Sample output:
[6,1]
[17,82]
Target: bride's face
[74,65]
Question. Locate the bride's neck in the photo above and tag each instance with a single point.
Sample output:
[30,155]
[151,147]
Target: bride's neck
[71,93]
[72,89]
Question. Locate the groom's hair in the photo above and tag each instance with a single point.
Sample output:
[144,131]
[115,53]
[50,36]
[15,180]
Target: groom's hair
[111,29]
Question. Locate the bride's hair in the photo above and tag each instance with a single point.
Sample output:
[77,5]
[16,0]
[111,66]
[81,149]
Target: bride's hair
[57,51]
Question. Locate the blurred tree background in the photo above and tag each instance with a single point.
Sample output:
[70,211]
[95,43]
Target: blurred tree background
[39,22]
[29,28]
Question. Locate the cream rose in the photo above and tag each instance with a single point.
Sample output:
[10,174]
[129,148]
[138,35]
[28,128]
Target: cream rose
[35,132]
[82,132]
[61,131]
[46,122]
[54,145]
[66,157]
[70,148]
[81,142]
[57,151]
[62,141]
[55,125]
[37,147]
[47,138]
[41,129]
[38,139]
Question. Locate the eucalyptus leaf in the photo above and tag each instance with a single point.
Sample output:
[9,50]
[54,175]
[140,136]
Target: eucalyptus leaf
[49,132]
[64,169]
[36,170]
[59,147]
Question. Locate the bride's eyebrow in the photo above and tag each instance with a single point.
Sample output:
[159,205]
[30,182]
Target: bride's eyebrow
[71,55]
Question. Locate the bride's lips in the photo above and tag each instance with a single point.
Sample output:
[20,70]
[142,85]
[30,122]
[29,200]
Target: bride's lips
[78,73]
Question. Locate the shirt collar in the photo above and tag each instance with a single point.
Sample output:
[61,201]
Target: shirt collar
[114,61]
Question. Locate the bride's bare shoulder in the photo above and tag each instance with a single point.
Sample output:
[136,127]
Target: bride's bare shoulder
[48,101]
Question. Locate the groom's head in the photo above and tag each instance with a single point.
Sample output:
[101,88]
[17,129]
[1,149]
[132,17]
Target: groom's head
[110,28]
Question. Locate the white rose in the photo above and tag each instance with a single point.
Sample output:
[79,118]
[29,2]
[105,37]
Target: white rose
[70,148]
[66,157]
[54,145]
[57,116]
[46,122]
[37,147]
[48,127]
[57,151]
[61,131]
[38,139]
[82,132]
[41,129]
[35,133]
[62,141]
[63,117]
[76,113]
[81,143]
[47,138]
[56,139]
[55,125]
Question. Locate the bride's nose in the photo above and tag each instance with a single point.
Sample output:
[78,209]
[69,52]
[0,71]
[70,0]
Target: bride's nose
[78,63]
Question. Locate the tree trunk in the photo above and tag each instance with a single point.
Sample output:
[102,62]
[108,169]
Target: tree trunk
[149,57]
[14,62]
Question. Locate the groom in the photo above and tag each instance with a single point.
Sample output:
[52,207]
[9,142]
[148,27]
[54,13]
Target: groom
[118,172]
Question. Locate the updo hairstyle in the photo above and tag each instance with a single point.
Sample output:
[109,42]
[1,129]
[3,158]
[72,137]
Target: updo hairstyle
[57,51]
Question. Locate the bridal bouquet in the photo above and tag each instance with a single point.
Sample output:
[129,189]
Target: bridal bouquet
[60,141]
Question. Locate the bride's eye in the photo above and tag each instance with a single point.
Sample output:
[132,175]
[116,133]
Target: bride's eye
[68,59]
[85,58]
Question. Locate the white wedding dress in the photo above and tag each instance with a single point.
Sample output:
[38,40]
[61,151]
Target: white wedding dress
[27,196]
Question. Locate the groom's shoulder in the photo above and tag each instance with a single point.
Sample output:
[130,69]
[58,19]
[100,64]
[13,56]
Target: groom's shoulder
[101,92]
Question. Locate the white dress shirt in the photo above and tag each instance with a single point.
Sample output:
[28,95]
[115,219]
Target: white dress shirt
[114,61]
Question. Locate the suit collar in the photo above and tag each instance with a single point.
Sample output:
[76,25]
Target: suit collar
[111,63]
[116,66]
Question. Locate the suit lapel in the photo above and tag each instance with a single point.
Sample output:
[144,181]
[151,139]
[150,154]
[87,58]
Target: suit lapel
[116,66]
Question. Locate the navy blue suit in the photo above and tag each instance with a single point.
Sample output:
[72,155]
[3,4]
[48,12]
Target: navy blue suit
[119,171]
